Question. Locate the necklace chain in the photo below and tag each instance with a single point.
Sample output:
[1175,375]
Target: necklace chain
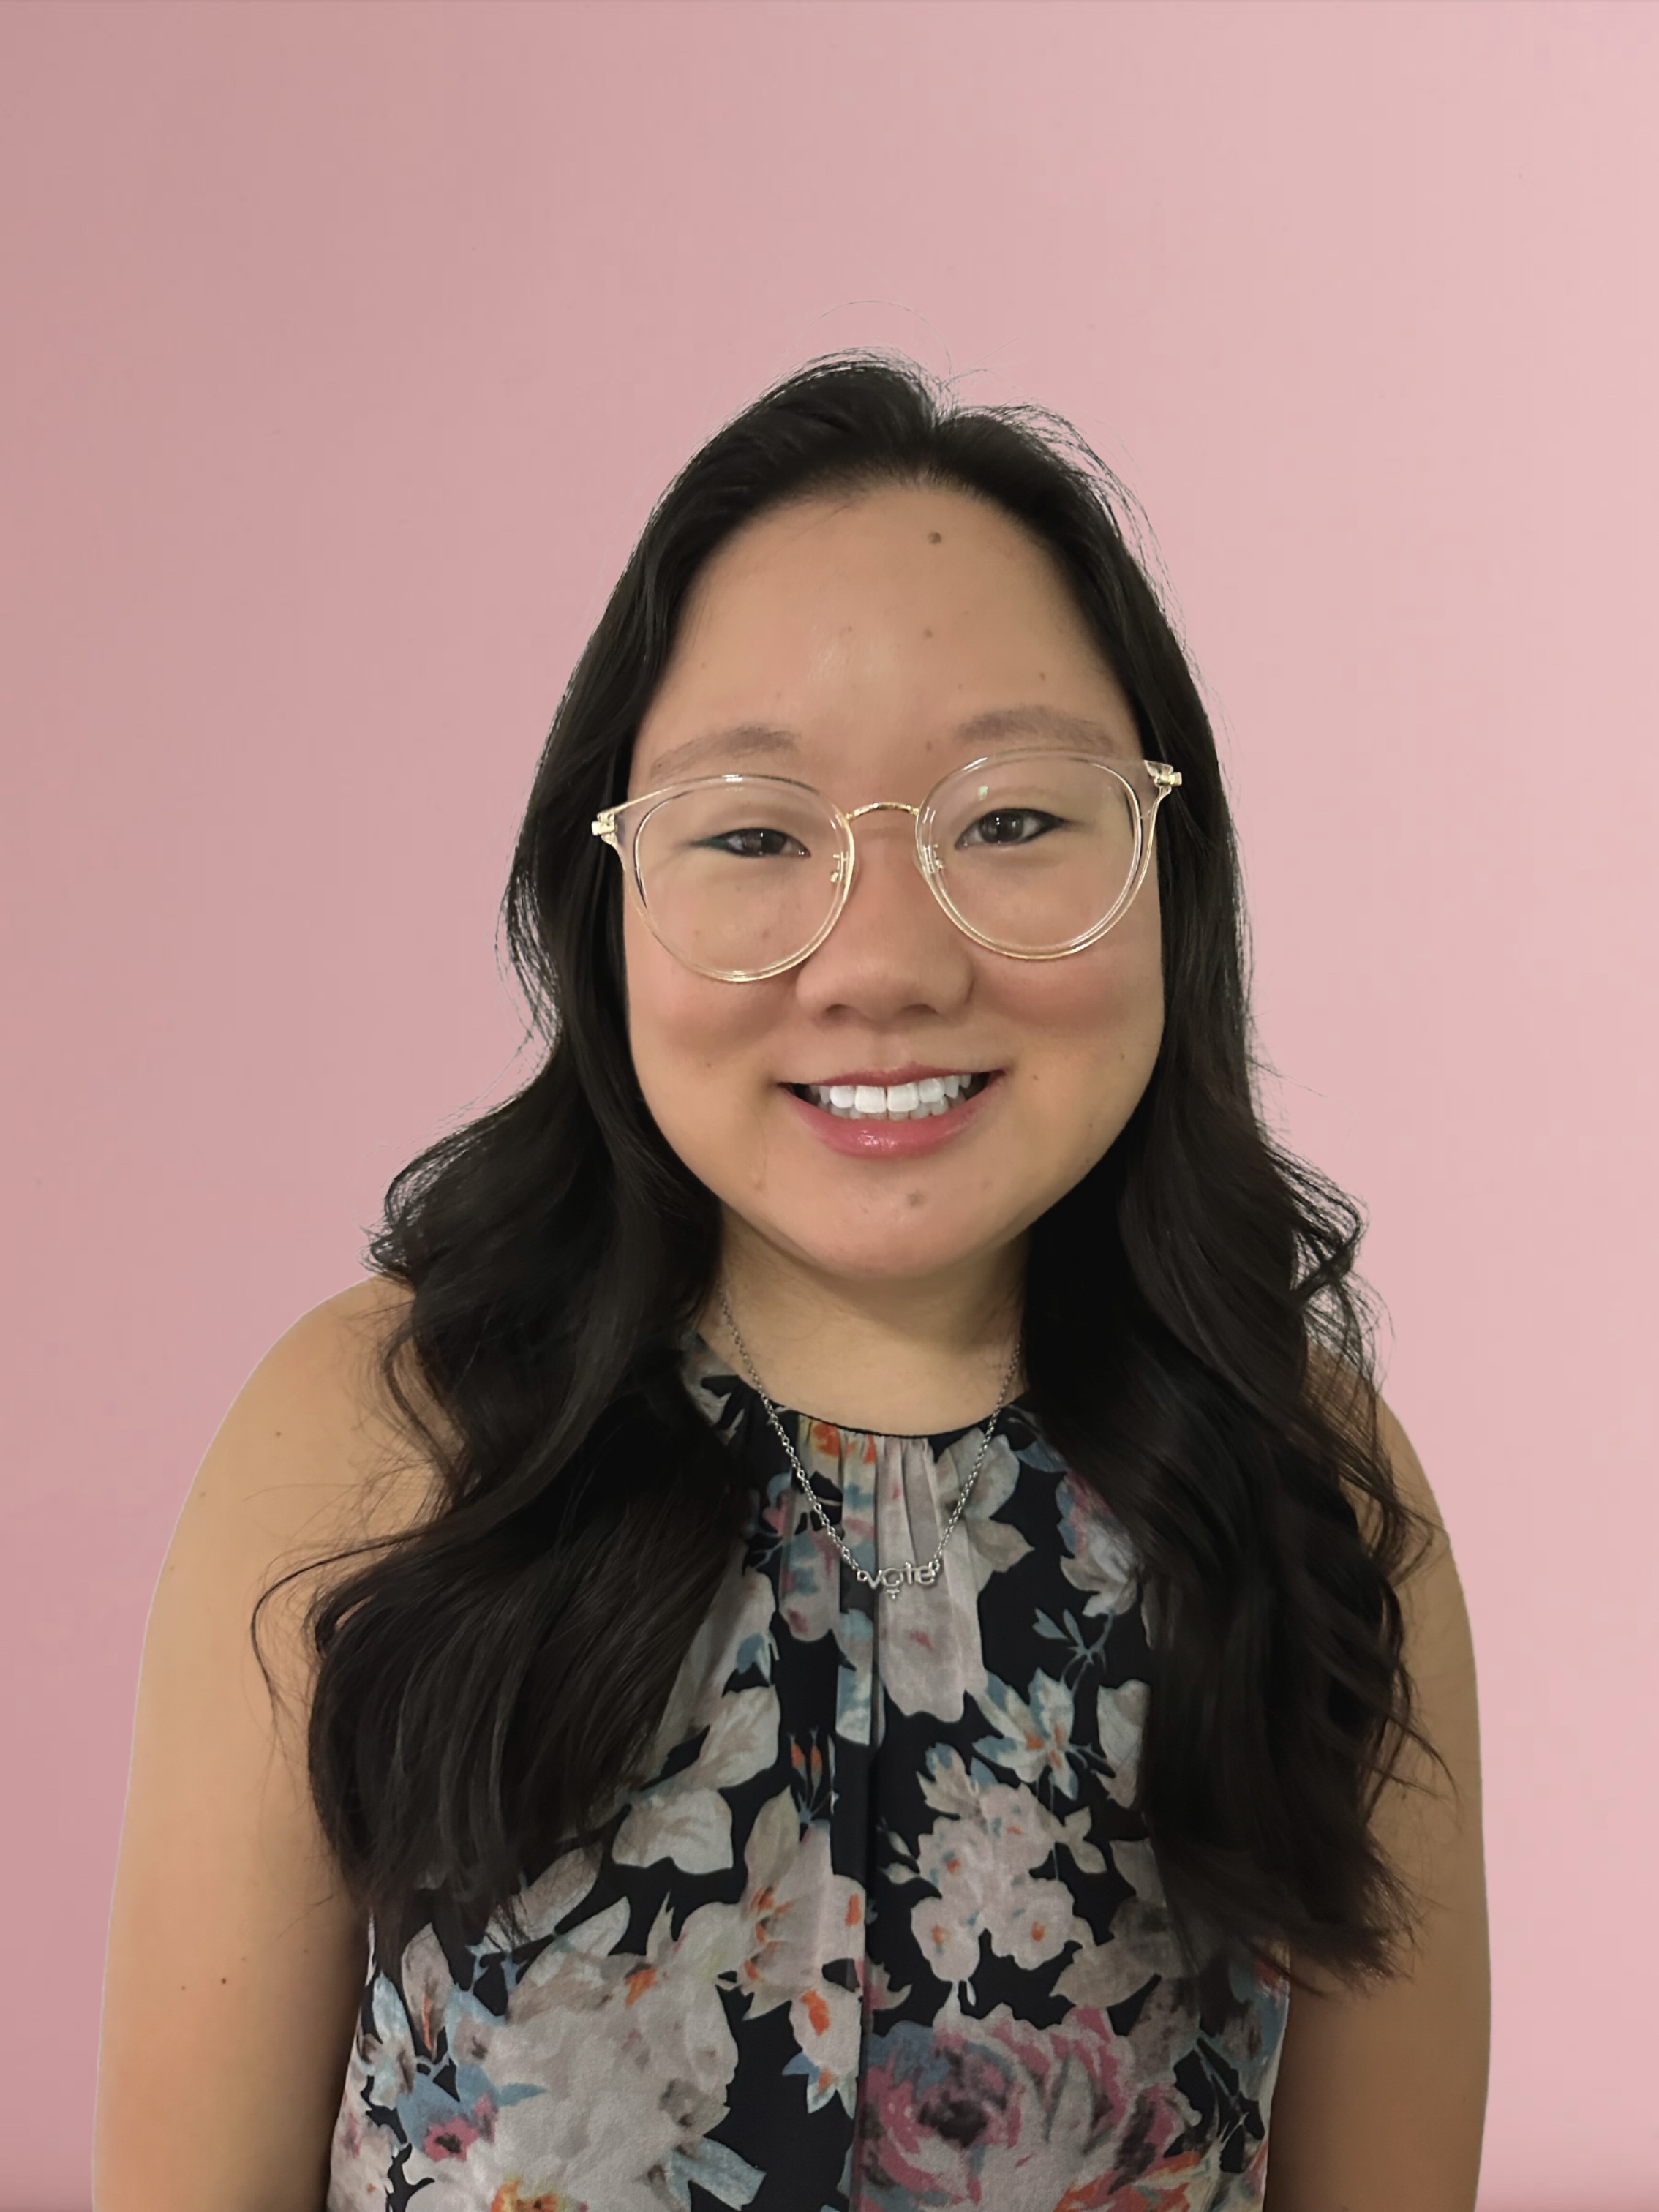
[891,1579]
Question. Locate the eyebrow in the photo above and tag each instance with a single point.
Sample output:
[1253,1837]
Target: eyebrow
[746,740]
[742,741]
[1037,721]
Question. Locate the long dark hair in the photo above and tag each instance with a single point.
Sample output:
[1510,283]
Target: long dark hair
[491,1682]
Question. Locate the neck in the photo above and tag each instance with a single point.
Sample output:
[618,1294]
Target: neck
[907,1357]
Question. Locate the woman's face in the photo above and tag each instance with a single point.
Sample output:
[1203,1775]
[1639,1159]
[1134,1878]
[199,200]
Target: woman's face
[866,645]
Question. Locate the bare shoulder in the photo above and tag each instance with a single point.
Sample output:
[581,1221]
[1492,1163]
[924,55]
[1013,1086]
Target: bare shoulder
[331,1364]
[1437,1647]
[1438,1650]
[236,1956]
[1348,1399]
[1355,2058]
[315,1455]
[1411,1477]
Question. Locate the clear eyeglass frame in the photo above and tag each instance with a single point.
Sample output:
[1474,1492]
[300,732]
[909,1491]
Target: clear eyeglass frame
[1148,782]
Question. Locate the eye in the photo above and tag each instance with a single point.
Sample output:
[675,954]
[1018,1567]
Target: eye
[1010,825]
[756,844]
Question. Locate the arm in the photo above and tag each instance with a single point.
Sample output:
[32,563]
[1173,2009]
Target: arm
[1380,2097]
[235,1961]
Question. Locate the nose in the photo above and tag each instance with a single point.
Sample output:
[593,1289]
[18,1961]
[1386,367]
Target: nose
[893,950]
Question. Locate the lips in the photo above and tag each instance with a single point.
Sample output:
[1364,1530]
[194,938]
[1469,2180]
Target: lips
[913,1099]
[906,1135]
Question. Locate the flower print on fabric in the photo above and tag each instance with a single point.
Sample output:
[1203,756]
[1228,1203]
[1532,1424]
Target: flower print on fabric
[980,1862]
[1098,1559]
[881,1929]
[995,2111]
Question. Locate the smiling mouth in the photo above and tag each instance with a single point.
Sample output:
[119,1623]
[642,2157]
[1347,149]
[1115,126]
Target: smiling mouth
[919,1101]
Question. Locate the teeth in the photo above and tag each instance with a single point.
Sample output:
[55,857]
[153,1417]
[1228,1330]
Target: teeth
[897,1102]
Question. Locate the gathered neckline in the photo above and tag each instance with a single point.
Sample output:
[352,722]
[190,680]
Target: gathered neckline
[714,1363]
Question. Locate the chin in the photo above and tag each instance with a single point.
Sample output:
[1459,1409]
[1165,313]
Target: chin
[890,1251]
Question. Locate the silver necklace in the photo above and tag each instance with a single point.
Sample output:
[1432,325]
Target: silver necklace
[891,1579]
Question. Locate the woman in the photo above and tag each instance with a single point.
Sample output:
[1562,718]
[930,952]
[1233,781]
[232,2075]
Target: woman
[876,1645]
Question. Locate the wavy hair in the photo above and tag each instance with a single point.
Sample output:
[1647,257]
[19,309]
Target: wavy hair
[489,1682]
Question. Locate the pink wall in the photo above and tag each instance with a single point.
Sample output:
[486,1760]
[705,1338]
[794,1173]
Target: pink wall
[349,346]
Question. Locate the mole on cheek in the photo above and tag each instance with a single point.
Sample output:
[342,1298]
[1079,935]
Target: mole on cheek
[916,1197]
[934,539]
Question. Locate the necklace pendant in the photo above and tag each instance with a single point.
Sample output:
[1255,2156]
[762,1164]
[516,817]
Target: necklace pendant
[888,1580]
[891,1580]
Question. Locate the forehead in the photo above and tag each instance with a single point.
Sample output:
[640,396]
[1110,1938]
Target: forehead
[907,620]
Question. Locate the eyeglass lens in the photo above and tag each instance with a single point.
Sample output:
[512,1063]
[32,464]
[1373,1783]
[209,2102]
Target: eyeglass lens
[1032,854]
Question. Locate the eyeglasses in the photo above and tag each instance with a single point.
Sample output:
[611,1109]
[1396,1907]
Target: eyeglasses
[1035,853]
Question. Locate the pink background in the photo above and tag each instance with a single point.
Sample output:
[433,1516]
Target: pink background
[348,347]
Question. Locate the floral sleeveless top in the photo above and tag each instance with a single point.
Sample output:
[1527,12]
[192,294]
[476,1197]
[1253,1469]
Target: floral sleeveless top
[881,1931]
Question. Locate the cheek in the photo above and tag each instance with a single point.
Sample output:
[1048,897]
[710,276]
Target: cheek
[682,1029]
[1095,1023]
